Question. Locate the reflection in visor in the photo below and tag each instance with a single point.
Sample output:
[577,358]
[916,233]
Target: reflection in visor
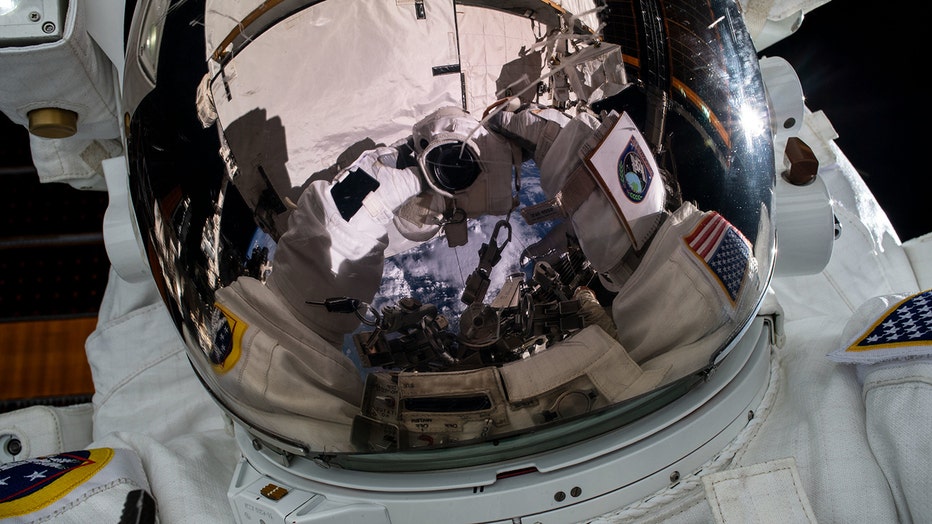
[579,320]
[452,166]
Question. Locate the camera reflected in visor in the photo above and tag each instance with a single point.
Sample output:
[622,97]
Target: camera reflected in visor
[451,166]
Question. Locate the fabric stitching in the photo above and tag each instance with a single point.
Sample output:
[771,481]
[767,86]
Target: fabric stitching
[135,373]
[719,462]
[86,496]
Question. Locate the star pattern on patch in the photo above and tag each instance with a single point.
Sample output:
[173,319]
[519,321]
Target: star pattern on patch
[730,261]
[908,323]
[19,479]
[36,475]
[725,251]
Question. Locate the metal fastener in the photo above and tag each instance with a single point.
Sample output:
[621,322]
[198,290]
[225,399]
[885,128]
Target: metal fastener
[14,446]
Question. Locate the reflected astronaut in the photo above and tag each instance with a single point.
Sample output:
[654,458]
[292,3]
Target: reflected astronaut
[328,266]
[649,356]
[661,242]
[329,263]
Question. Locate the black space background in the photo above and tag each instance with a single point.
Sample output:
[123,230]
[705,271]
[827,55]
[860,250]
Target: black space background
[863,64]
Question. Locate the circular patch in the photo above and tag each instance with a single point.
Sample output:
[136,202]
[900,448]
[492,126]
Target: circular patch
[634,173]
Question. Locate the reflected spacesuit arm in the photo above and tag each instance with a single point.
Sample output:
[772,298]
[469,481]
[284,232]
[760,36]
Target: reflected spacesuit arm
[336,240]
[286,349]
[555,141]
[650,320]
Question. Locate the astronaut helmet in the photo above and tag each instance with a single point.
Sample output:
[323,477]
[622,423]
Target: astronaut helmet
[462,160]
[447,155]
[251,166]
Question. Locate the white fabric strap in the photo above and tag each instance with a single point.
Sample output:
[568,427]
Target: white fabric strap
[919,252]
[769,492]
[45,430]
[75,161]
[547,136]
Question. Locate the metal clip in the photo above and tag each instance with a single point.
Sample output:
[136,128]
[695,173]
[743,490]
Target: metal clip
[489,254]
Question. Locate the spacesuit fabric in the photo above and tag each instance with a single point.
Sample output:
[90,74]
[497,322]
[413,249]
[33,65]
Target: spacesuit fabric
[831,442]
[324,254]
[152,409]
[671,299]
[897,400]
[82,85]
[148,401]
[283,364]
[859,441]
[128,384]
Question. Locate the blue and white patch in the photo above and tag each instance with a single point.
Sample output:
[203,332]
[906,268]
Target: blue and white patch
[624,170]
[887,328]
[223,341]
[634,172]
[33,483]
[61,486]
[724,250]
[228,339]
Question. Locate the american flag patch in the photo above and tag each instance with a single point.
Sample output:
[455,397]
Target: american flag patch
[908,324]
[724,250]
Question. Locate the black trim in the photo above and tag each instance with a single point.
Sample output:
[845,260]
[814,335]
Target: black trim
[446,69]
[7,406]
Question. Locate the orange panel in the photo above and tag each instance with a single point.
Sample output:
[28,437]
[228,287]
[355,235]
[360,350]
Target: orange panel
[45,358]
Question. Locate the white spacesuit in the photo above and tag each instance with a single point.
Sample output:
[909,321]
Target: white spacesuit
[329,266]
[834,429]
